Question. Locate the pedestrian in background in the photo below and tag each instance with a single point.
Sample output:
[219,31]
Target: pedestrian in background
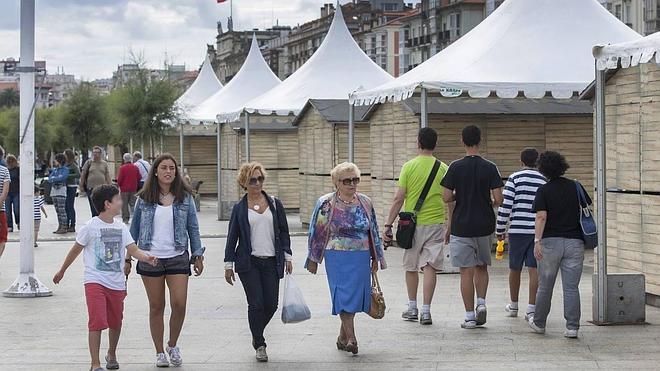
[143,166]
[259,250]
[38,202]
[558,242]
[2,157]
[519,192]
[57,179]
[13,203]
[432,229]
[72,182]
[5,181]
[475,184]
[127,180]
[95,172]
[343,231]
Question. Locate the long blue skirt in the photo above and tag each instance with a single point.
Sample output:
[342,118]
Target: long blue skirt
[349,278]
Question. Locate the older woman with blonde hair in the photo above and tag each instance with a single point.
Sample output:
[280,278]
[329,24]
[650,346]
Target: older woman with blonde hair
[344,232]
[258,249]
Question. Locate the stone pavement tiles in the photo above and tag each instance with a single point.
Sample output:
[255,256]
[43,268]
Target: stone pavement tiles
[51,333]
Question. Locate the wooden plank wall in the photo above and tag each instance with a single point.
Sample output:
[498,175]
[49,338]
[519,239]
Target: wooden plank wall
[199,158]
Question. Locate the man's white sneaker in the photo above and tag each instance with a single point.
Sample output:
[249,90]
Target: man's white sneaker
[161,360]
[469,324]
[538,330]
[511,311]
[528,316]
[481,314]
[571,334]
[175,356]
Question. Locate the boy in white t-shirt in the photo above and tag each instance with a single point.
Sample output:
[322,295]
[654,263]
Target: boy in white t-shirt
[104,242]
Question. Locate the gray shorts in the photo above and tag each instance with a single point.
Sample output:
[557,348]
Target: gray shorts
[468,252]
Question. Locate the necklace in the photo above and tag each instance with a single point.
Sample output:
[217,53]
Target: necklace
[164,196]
[346,202]
[255,205]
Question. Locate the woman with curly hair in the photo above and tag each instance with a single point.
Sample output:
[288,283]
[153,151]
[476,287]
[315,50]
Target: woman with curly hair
[558,242]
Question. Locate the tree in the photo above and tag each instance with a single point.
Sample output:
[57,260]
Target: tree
[9,98]
[83,118]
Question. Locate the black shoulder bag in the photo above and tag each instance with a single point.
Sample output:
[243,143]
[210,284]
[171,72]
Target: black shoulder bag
[405,230]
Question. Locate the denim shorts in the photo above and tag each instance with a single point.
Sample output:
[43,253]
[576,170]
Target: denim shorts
[521,251]
[166,267]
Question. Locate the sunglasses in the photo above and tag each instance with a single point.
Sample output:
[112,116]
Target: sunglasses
[349,181]
[259,180]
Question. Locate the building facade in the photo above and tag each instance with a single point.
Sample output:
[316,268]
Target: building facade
[640,15]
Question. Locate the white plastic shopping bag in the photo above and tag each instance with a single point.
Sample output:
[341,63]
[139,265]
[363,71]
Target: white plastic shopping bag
[294,308]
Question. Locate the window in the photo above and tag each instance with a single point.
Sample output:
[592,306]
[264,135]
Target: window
[617,11]
[390,7]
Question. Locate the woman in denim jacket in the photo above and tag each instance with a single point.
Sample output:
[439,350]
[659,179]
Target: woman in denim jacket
[164,221]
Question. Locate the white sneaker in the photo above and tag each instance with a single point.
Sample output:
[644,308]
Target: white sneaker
[512,312]
[538,330]
[161,360]
[528,316]
[469,324]
[175,356]
[571,334]
[482,312]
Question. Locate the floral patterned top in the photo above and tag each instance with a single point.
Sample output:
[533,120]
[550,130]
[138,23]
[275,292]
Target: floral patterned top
[349,228]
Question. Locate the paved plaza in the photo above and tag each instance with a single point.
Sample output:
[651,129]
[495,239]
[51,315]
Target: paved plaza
[51,333]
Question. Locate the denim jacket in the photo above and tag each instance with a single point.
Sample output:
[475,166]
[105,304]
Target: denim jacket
[58,175]
[185,226]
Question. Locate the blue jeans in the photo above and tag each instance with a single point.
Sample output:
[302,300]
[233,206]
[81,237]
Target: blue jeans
[70,206]
[13,204]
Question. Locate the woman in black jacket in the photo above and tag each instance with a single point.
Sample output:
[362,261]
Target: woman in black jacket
[258,249]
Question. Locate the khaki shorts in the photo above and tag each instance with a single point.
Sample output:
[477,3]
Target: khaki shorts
[426,248]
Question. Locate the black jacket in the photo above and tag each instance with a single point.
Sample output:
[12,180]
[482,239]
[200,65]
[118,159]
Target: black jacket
[239,247]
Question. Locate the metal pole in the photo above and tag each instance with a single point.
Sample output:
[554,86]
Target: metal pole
[351,132]
[219,169]
[424,117]
[27,284]
[130,145]
[247,137]
[601,294]
[181,146]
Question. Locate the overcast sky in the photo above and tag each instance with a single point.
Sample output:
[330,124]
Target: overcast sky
[89,38]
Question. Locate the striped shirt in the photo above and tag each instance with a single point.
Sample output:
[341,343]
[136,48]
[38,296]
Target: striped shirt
[519,193]
[38,203]
[4,177]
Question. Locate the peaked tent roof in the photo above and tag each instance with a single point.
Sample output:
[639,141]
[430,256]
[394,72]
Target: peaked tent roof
[253,79]
[531,46]
[630,53]
[205,85]
[337,68]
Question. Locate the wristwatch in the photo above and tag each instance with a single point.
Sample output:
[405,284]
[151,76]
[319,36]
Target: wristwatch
[537,240]
[388,225]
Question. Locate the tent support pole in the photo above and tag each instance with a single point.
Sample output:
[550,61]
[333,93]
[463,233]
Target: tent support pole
[351,132]
[181,146]
[219,170]
[424,116]
[601,293]
[247,137]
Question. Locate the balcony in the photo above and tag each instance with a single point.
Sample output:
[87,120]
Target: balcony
[416,41]
[408,43]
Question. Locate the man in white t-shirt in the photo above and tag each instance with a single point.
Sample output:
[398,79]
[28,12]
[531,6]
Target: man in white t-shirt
[143,166]
[104,242]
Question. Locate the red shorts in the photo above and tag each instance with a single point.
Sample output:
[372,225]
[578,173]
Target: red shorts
[3,227]
[104,306]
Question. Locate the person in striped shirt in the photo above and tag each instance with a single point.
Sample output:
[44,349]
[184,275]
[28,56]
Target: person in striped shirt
[38,209]
[516,212]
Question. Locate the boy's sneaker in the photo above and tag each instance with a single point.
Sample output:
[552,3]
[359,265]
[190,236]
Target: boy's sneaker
[161,360]
[111,364]
[411,314]
[537,329]
[529,316]
[571,334]
[481,314]
[469,324]
[512,312]
[175,356]
[425,319]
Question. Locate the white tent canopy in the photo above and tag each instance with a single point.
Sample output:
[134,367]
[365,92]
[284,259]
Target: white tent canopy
[337,68]
[630,53]
[533,46]
[205,85]
[253,79]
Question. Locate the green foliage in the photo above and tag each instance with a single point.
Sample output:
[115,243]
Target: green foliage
[9,98]
[83,118]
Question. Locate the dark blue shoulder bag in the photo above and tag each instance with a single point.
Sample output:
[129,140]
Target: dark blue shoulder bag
[587,222]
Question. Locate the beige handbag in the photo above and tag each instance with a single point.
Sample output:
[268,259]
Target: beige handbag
[377,310]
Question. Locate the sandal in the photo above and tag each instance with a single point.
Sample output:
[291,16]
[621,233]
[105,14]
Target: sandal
[340,345]
[352,347]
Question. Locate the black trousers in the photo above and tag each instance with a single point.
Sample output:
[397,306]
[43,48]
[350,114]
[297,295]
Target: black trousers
[88,192]
[261,284]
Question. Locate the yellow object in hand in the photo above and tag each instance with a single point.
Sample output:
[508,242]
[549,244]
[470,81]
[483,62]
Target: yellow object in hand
[499,252]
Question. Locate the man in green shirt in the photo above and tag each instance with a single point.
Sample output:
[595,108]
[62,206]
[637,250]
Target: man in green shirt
[433,220]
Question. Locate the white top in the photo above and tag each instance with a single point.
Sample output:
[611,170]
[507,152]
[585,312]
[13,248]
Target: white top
[262,233]
[162,237]
[143,166]
[104,252]
[532,46]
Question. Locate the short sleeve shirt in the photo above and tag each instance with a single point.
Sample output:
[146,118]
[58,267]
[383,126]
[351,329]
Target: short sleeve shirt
[559,199]
[4,177]
[472,178]
[104,252]
[414,174]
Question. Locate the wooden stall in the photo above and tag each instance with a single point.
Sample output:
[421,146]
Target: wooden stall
[199,154]
[323,137]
